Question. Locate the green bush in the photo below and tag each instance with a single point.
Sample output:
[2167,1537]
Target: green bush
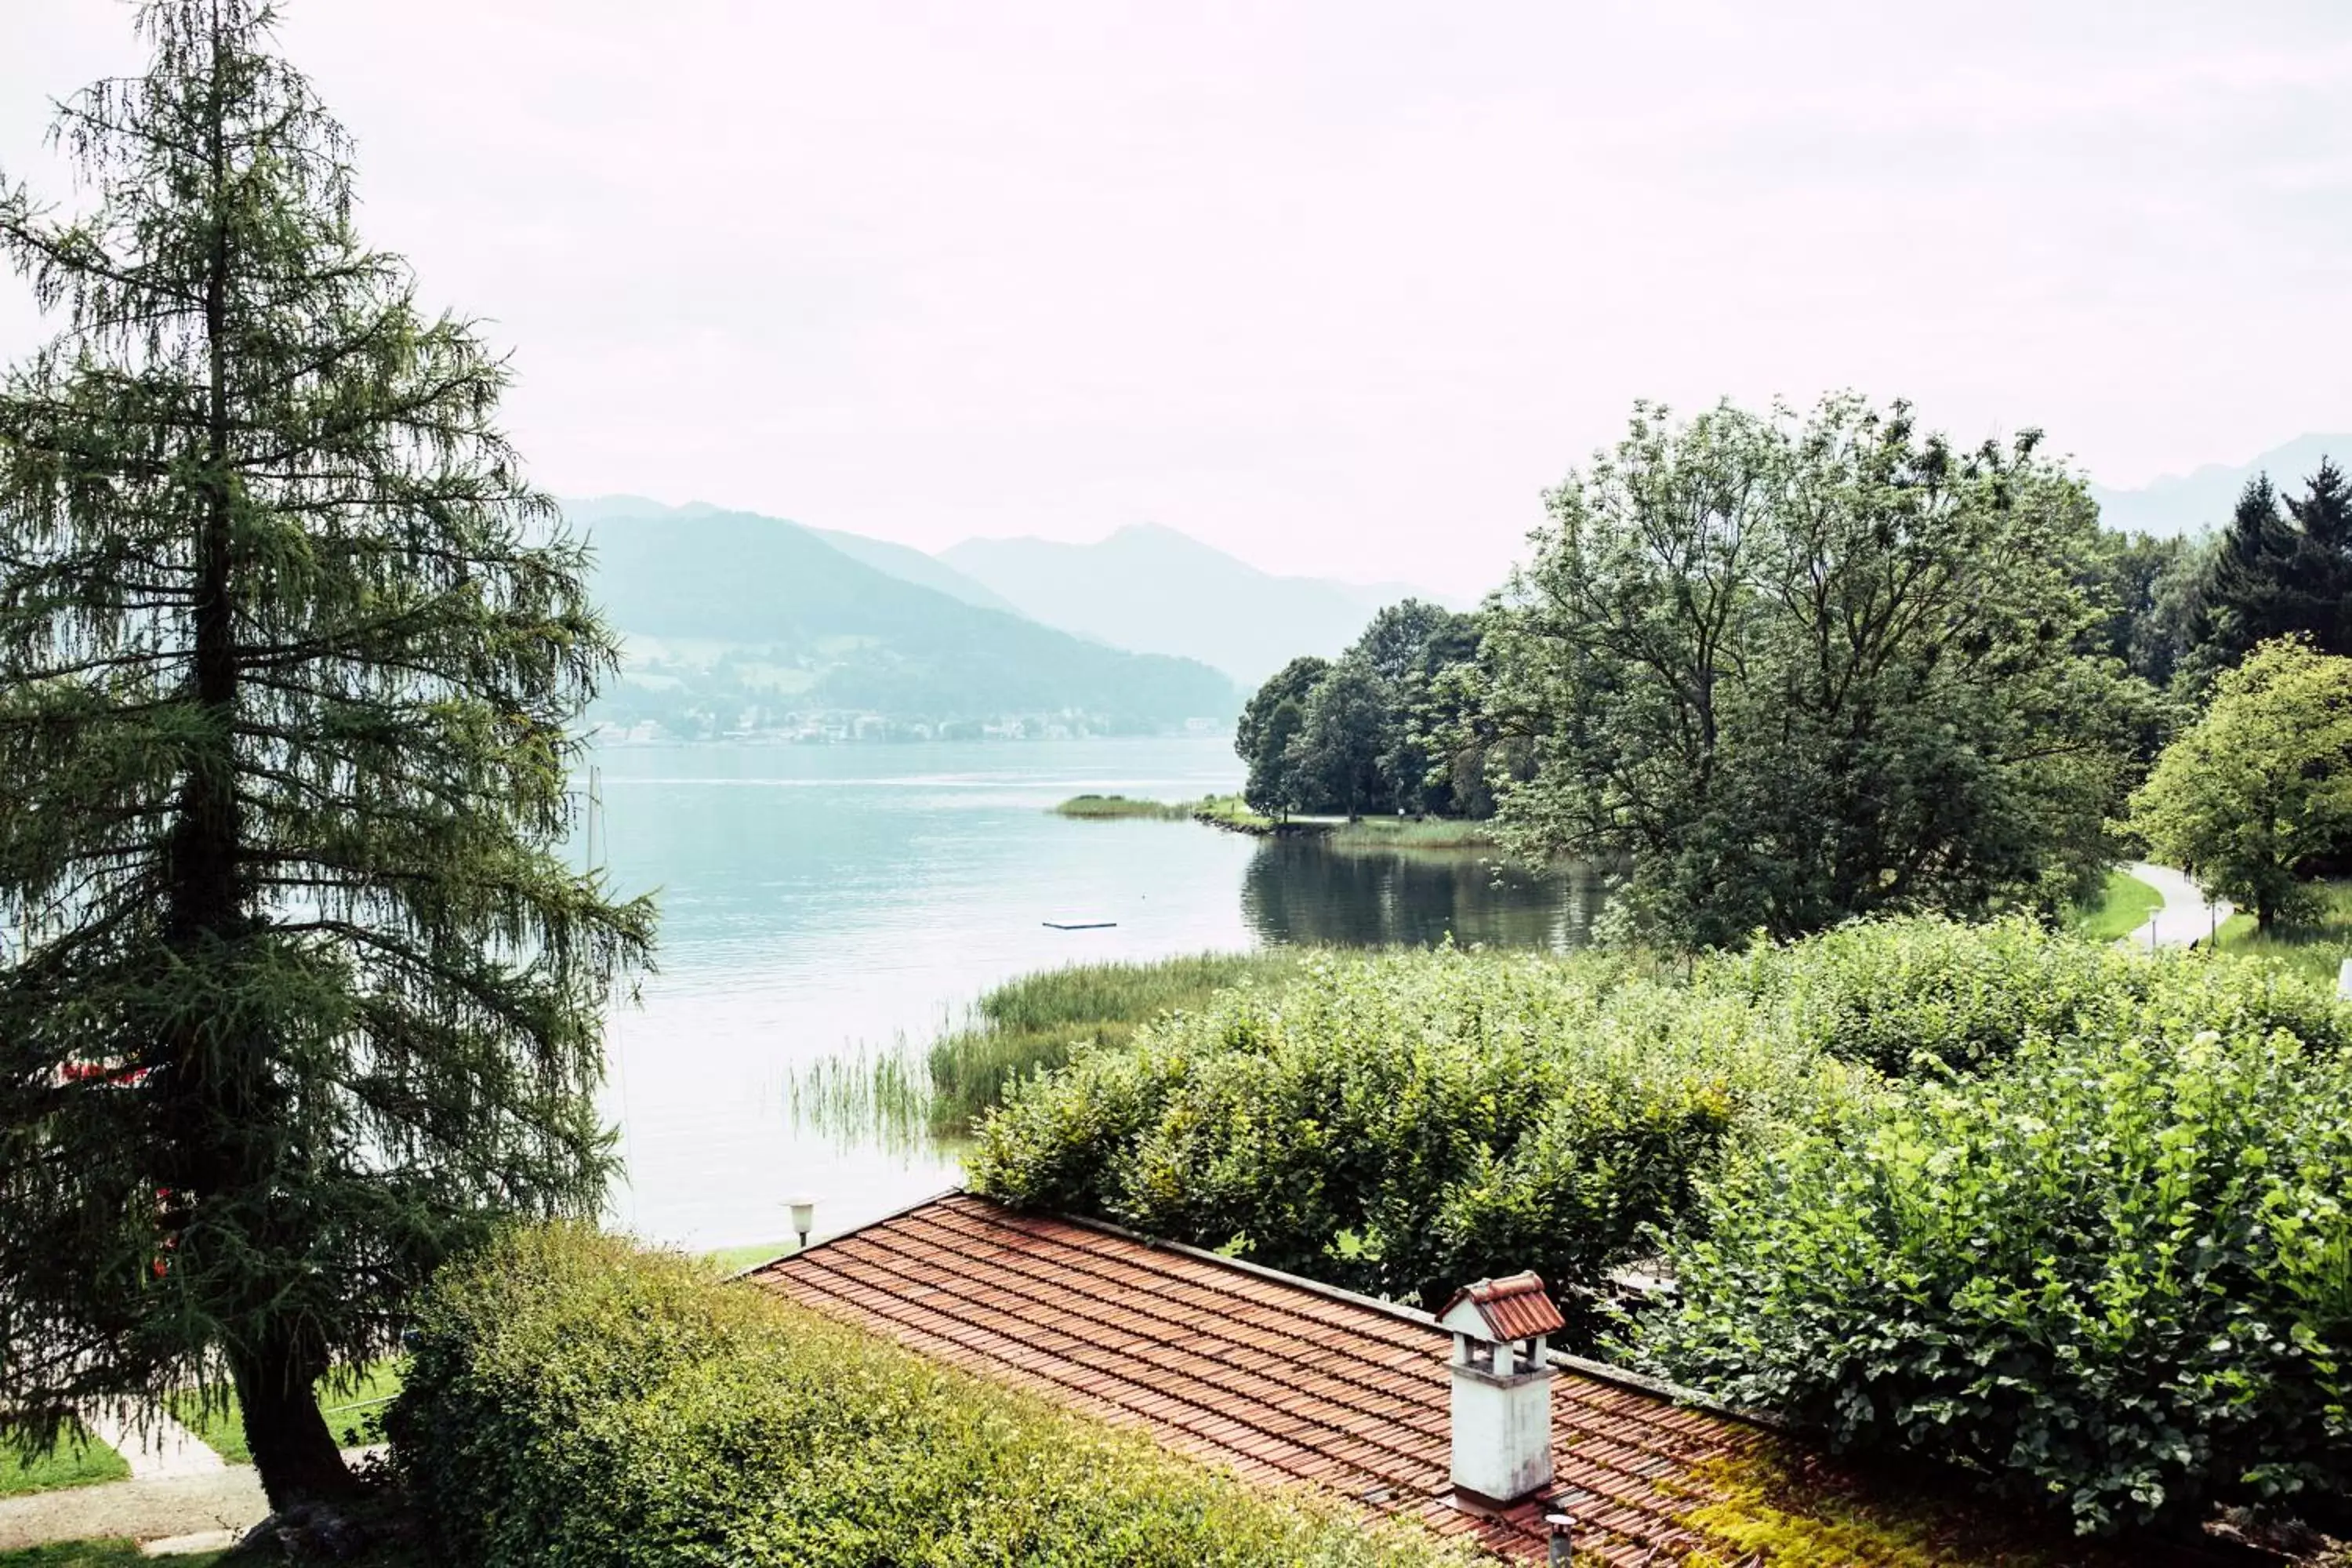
[2116,1273]
[1404,1123]
[1902,993]
[575,1400]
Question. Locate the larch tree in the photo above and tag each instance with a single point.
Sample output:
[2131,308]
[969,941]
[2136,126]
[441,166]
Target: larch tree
[298,993]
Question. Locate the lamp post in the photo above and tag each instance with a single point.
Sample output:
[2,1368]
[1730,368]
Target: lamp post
[803,1217]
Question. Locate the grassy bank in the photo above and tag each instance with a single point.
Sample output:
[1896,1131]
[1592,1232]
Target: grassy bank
[1412,833]
[2316,948]
[1125,808]
[2125,905]
[80,1461]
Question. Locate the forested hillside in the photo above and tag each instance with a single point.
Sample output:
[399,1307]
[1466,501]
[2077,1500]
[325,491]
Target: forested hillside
[736,621]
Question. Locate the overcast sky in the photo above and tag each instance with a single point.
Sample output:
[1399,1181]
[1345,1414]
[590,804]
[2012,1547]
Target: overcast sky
[1338,287]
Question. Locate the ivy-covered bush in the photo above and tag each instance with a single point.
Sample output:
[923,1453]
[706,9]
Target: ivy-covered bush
[2115,1274]
[1402,1123]
[574,1400]
[1927,992]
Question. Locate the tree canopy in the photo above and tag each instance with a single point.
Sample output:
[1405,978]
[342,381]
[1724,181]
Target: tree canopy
[2282,566]
[2261,786]
[297,993]
[1789,671]
[1370,731]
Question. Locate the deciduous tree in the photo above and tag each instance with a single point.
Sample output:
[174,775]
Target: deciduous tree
[297,993]
[1269,727]
[1789,672]
[2262,784]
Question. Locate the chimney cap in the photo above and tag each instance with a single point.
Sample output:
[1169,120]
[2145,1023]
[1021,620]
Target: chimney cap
[1515,1307]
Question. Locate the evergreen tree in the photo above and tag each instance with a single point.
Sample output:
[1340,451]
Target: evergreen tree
[296,992]
[2277,574]
[2323,579]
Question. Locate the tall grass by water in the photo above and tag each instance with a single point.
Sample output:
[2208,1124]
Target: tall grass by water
[1414,832]
[905,1094]
[1126,808]
[1217,810]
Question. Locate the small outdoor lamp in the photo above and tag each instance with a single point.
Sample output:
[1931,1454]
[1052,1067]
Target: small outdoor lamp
[803,1217]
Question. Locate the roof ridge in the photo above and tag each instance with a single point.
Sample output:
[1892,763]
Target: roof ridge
[1367,1396]
[979,1340]
[1598,1371]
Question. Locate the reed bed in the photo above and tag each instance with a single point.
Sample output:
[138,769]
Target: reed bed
[1126,808]
[908,1095]
[1414,832]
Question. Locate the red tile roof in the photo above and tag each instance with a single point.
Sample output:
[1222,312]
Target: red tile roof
[1278,1378]
[1514,1307]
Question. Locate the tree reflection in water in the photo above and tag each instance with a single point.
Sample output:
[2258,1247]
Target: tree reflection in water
[1301,890]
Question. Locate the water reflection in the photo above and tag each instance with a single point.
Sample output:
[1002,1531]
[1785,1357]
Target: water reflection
[1305,891]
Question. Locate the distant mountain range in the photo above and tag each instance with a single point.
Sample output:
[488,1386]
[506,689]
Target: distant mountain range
[1159,590]
[735,620]
[2189,503]
[741,623]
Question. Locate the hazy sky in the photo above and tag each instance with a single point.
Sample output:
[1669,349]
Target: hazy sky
[1339,287]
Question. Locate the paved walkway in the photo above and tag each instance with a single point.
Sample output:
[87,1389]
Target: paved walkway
[155,1446]
[2187,916]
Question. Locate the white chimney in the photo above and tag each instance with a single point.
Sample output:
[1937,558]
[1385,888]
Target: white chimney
[1502,1386]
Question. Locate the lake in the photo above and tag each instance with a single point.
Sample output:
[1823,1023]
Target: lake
[818,898]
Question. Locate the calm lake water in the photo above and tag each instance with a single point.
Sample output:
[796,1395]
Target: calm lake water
[816,900]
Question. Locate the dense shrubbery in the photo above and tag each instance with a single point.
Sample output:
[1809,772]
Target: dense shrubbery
[2069,1216]
[2117,1273]
[575,1401]
[1402,1123]
[1901,994]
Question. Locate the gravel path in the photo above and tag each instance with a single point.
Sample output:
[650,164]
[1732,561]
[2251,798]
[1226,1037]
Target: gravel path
[226,1498]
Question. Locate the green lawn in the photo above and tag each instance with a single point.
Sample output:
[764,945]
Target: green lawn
[79,1461]
[2123,905]
[97,1554]
[2316,949]
[354,1413]
[735,1260]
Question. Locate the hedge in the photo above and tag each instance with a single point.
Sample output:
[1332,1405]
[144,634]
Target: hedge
[1924,994]
[1402,1123]
[2070,1216]
[2115,1275]
[574,1399]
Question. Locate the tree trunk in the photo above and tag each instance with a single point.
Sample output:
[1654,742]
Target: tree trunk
[291,1447]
